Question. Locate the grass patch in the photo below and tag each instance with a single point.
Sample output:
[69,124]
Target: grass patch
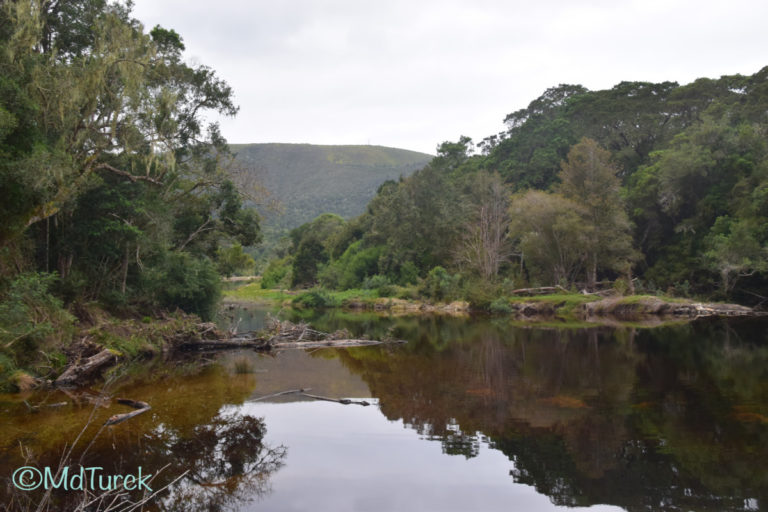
[320,298]
[569,299]
[253,292]
[638,299]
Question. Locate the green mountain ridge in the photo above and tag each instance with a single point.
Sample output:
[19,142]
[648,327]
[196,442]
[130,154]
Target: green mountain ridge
[309,179]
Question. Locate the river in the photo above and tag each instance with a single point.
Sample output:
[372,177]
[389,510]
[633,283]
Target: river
[472,414]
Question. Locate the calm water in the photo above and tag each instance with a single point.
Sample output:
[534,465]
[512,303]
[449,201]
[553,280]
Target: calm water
[469,415]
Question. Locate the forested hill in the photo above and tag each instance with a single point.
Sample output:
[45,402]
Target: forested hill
[309,179]
[654,186]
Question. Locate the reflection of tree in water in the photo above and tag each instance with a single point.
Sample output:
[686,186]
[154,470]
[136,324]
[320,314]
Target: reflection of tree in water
[227,461]
[451,437]
[225,456]
[646,419]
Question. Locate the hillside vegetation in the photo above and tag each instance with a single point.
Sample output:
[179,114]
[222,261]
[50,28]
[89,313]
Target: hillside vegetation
[654,187]
[308,180]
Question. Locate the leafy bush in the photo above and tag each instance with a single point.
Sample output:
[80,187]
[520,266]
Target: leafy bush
[381,284]
[351,269]
[29,313]
[500,305]
[440,285]
[7,370]
[277,274]
[314,299]
[234,261]
[409,273]
[480,293]
[188,283]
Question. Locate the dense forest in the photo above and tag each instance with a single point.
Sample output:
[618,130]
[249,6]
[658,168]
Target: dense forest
[113,188]
[116,191]
[660,188]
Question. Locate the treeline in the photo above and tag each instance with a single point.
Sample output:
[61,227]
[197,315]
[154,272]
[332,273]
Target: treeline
[658,187]
[112,186]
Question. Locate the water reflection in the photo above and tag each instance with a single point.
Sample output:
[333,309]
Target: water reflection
[227,462]
[644,419]
[190,429]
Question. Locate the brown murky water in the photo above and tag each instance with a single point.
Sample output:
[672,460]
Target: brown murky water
[471,414]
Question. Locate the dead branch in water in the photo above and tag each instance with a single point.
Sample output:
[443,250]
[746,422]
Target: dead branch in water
[278,335]
[81,371]
[141,408]
[281,393]
[331,343]
[344,401]
[303,392]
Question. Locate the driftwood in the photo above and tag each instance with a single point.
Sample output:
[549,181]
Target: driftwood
[141,408]
[80,371]
[273,395]
[303,392]
[539,290]
[36,408]
[279,335]
[240,342]
[330,343]
[344,401]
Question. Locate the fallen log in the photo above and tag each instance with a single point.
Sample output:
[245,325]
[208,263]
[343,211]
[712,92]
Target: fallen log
[344,401]
[538,291]
[79,372]
[281,393]
[258,343]
[141,408]
[330,343]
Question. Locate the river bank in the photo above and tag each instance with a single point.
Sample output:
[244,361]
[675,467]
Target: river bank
[567,306]
[98,342]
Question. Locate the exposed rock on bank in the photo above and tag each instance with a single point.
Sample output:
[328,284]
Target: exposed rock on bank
[629,308]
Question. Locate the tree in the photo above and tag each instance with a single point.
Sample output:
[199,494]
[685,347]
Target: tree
[537,139]
[551,234]
[312,246]
[484,242]
[106,162]
[589,178]
[734,251]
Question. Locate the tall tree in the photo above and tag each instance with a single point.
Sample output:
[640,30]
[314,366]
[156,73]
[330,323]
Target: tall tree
[484,242]
[552,236]
[589,178]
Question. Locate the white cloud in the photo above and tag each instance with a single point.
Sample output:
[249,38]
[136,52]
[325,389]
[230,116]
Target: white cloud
[413,74]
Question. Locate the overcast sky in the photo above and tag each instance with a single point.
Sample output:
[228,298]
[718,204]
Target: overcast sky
[414,73]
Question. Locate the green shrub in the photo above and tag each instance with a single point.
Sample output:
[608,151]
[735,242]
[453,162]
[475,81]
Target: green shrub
[440,285]
[381,284]
[7,370]
[480,293]
[234,261]
[351,268]
[277,274]
[29,313]
[500,305]
[314,299]
[407,292]
[186,282]
[409,273]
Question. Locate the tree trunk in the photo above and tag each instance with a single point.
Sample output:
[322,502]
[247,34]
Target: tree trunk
[124,271]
